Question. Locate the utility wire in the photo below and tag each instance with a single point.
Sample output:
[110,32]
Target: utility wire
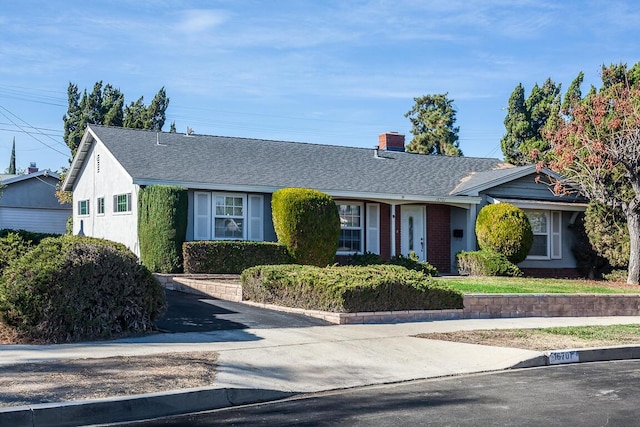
[29,133]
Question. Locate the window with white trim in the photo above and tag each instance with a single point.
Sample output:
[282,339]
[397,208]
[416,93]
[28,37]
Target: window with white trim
[547,234]
[100,205]
[122,203]
[83,207]
[226,216]
[350,227]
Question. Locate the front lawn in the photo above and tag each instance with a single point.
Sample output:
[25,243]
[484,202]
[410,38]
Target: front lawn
[526,285]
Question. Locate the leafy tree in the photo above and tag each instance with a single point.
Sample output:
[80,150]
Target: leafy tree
[526,120]
[12,160]
[598,147]
[432,119]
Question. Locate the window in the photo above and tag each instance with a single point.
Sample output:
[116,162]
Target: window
[547,236]
[83,207]
[350,228]
[221,216]
[122,202]
[100,205]
[228,217]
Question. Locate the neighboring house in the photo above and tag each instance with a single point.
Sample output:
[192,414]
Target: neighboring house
[390,202]
[29,202]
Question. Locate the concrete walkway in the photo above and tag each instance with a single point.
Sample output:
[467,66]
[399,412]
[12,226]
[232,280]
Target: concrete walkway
[265,364]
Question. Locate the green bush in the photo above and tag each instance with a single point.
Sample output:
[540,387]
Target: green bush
[162,225]
[12,247]
[307,222]
[347,288]
[410,263]
[29,236]
[608,234]
[589,263]
[504,228]
[74,288]
[486,263]
[231,257]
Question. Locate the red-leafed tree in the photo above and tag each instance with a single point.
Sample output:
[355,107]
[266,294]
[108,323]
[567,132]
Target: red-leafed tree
[598,147]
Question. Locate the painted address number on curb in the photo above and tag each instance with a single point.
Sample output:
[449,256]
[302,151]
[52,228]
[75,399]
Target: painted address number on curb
[558,357]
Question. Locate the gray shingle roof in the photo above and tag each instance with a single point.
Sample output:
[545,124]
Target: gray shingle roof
[216,160]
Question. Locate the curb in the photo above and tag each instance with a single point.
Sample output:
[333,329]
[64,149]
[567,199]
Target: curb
[136,408]
[561,357]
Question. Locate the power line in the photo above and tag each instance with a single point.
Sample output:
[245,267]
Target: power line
[29,133]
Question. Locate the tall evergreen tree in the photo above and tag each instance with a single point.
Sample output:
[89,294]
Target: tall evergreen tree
[525,122]
[432,119]
[12,159]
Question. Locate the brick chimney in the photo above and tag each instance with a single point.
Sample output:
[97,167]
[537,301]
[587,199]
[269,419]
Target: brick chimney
[32,168]
[391,141]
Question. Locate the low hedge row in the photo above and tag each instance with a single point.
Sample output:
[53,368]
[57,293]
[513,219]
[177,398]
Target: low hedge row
[231,257]
[486,263]
[369,258]
[347,288]
[30,236]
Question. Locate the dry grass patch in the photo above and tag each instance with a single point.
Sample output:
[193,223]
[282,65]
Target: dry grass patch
[546,338]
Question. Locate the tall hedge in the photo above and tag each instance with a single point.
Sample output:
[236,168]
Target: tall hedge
[307,222]
[162,226]
[504,228]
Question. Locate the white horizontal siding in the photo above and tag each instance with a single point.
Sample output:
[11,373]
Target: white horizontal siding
[36,220]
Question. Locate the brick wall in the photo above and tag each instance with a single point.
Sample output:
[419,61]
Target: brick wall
[385,231]
[439,237]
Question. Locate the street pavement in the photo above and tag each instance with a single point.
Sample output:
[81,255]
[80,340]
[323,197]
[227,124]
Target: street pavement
[292,356]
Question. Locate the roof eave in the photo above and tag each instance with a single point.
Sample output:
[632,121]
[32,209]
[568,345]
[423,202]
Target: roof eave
[87,141]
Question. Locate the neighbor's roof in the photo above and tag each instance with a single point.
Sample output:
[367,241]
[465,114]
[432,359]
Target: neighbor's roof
[6,179]
[201,161]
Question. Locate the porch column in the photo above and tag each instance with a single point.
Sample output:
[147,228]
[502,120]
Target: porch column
[393,229]
[471,227]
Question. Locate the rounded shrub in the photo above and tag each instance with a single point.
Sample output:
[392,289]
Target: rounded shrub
[505,229]
[12,247]
[307,222]
[74,288]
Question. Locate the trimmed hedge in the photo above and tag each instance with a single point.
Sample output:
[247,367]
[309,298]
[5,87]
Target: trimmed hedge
[369,258]
[74,288]
[307,222]
[231,257]
[12,247]
[162,226]
[486,263]
[29,236]
[504,228]
[347,288]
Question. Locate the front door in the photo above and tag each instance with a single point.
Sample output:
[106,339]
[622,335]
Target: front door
[412,226]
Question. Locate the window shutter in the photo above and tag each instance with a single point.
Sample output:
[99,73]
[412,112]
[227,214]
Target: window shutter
[373,228]
[556,235]
[202,212]
[255,215]
[129,202]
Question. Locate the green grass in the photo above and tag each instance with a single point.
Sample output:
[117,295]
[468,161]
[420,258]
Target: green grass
[618,333]
[525,285]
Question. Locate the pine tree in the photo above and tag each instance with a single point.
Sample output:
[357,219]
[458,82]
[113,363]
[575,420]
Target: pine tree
[12,159]
[432,119]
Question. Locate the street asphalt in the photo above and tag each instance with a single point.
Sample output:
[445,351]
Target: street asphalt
[265,355]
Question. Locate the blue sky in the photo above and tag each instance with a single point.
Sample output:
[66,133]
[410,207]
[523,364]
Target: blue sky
[321,71]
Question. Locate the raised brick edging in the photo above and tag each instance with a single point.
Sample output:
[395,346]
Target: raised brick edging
[476,306]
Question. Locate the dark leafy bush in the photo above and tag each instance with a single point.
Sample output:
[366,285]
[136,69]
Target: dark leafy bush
[608,234]
[486,263]
[307,222]
[12,247]
[231,257]
[28,236]
[504,228]
[74,288]
[589,263]
[347,288]
[369,258]
[162,225]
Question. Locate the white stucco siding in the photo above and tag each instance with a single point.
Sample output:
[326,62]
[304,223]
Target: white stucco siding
[103,177]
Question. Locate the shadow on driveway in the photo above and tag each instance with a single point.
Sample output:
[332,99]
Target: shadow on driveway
[196,313]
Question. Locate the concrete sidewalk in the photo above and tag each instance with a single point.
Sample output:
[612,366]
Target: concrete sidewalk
[266,364]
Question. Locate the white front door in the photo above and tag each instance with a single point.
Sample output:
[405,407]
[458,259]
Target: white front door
[413,236]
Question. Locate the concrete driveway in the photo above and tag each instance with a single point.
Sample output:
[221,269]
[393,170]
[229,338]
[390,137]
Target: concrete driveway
[196,313]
